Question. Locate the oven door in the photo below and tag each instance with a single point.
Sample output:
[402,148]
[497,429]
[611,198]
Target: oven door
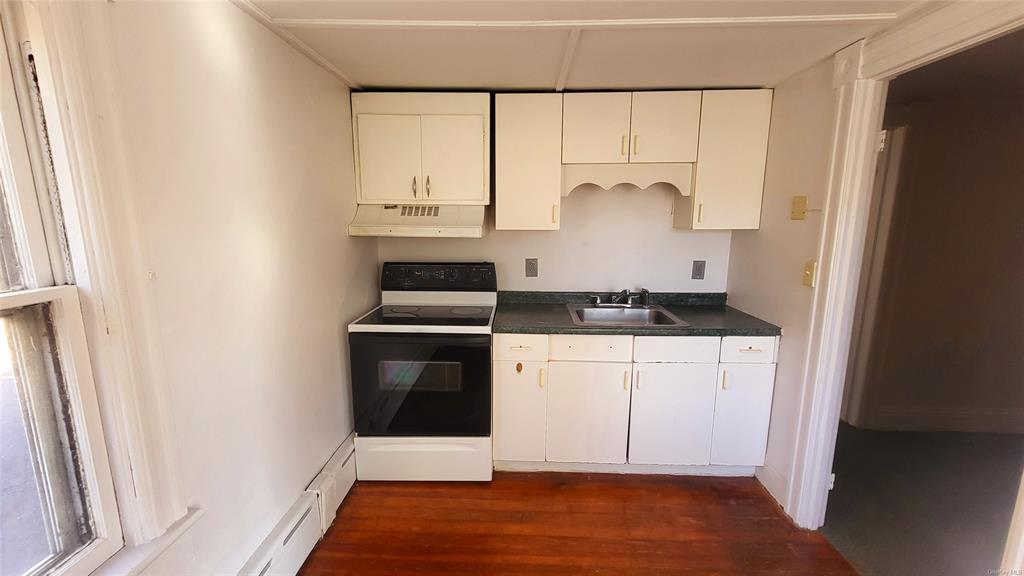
[421,384]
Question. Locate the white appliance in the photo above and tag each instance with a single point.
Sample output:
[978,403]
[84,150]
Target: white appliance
[421,374]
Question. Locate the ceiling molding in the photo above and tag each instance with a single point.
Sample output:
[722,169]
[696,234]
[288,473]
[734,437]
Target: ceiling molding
[570,51]
[633,23]
[263,18]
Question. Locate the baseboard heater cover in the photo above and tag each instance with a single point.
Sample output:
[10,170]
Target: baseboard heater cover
[288,545]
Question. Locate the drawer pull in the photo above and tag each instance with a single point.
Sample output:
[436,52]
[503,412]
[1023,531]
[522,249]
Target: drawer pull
[543,377]
[725,379]
[751,349]
[520,348]
[625,380]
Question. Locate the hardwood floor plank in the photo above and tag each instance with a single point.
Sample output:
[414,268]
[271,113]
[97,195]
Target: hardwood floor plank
[554,523]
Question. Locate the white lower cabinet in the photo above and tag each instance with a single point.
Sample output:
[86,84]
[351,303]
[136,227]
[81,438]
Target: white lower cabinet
[520,404]
[672,413]
[743,408]
[588,411]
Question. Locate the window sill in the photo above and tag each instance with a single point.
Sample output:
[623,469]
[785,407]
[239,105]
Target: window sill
[132,560]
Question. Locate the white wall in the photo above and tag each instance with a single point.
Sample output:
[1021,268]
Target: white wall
[240,156]
[766,265]
[609,240]
[948,345]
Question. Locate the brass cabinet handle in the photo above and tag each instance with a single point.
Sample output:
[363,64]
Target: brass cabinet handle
[413,186]
[636,144]
[543,377]
[625,143]
[428,185]
[554,213]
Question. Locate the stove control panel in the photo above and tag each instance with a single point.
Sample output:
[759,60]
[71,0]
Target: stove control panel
[439,277]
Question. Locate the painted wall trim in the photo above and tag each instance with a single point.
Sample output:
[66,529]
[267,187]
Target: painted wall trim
[938,34]
[924,39]
[674,470]
[263,18]
[594,24]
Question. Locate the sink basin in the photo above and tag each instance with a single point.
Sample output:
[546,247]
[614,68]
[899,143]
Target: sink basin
[622,316]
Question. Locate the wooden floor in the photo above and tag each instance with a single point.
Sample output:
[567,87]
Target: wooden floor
[553,523]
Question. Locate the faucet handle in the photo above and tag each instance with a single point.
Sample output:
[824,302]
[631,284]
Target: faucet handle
[595,299]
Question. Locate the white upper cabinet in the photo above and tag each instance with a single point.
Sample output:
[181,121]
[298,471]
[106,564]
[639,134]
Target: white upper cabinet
[422,147]
[528,161]
[595,128]
[624,127]
[389,157]
[731,159]
[664,126]
[453,157]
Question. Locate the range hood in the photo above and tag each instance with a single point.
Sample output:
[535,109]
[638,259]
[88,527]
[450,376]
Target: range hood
[418,221]
[607,176]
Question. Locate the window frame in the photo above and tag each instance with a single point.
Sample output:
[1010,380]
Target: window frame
[28,200]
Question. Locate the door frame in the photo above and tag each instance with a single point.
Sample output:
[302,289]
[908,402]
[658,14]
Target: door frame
[862,73]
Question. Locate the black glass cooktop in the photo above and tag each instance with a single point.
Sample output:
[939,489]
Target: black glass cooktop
[429,315]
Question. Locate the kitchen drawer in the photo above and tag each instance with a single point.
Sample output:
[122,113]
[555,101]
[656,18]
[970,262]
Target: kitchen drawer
[704,349]
[591,348]
[521,347]
[749,349]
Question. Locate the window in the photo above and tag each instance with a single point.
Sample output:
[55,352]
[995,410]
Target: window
[57,508]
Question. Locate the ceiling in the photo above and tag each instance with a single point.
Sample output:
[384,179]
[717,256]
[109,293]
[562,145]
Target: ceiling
[573,44]
[992,68]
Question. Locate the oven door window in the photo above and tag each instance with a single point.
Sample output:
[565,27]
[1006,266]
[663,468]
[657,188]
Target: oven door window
[421,384]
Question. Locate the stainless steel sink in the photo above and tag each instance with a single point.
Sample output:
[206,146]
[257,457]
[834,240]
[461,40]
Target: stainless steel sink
[620,315]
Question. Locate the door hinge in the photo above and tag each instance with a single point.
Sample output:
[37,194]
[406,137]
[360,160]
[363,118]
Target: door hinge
[831,481]
[883,140]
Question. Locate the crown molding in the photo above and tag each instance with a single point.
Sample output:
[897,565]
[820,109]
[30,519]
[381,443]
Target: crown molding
[628,23]
[265,19]
[567,56]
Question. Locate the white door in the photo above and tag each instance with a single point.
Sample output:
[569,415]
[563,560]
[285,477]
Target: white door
[595,128]
[520,410]
[389,158]
[588,411]
[731,159]
[527,132]
[743,407]
[453,158]
[665,126]
[672,413]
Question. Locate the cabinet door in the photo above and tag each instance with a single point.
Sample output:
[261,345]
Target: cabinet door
[595,128]
[743,407]
[527,132]
[588,411]
[520,407]
[664,126]
[453,158]
[389,158]
[731,159]
[672,413]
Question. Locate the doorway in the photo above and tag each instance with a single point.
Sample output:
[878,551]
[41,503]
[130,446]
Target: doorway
[931,446]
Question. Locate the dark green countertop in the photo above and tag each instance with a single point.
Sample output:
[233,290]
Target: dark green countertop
[514,316]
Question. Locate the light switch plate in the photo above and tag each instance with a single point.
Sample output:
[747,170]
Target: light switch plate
[810,273]
[532,268]
[799,208]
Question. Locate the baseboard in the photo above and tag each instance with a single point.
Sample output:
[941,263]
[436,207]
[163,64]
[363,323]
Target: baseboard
[775,483]
[514,466]
[940,419]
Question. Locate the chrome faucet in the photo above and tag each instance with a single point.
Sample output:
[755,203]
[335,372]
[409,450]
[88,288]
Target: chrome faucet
[626,297]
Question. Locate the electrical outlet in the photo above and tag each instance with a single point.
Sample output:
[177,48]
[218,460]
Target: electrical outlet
[697,273]
[532,268]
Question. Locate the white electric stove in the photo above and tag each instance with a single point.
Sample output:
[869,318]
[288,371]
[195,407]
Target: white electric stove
[421,374]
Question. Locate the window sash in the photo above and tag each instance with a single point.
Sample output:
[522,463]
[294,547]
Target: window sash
[73,352]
